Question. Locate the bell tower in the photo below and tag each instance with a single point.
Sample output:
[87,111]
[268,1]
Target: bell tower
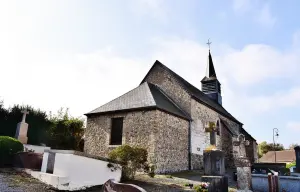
[210,83]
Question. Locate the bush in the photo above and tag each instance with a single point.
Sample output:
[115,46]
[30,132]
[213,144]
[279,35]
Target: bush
[131,159]
[8,147]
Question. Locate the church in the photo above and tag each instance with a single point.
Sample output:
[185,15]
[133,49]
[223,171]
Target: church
[169,117]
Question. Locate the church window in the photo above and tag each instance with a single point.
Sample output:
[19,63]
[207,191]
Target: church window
[218,128]
[116,131]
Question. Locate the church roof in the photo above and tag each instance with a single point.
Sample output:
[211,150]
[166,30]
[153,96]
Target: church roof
[145,96]
[231,131]
[195,92]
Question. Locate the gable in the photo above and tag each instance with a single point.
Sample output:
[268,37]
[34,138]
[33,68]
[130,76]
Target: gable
[194,92]
[145,96]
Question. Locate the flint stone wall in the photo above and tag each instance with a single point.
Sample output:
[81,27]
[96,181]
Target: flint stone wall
[163,135]
[201,114]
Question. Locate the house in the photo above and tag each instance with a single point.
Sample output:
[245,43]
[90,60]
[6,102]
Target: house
[167,115]
[285,156]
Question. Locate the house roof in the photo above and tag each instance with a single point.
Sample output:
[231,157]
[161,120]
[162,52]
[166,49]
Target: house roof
[281,156]
[145,96]
[195,93]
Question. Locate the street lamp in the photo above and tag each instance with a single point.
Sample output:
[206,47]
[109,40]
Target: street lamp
[275,130]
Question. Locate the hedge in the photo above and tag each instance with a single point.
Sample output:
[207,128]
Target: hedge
[8,147]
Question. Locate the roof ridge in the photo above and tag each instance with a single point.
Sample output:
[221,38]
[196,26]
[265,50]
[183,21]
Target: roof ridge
[176,76]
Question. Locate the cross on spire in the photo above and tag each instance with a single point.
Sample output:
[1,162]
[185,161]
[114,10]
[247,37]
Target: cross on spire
[208,43]
[25,112]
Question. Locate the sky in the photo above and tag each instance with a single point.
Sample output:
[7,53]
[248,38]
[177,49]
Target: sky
[81,54]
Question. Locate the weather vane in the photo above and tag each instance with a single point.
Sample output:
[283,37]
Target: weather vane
[208,43]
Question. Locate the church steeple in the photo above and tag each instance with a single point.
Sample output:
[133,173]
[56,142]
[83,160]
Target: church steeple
[210,69]
[210,84]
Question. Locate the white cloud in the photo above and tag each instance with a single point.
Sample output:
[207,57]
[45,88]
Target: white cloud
[294,126]
[279,100]
[83,82]
[255,63]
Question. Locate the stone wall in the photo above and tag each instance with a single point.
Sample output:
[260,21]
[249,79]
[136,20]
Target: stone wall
[168,83]
[227,147]
[171,145]
[163,135]
[201,114]
[137,130]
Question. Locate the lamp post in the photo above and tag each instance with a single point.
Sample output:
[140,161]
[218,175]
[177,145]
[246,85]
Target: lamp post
[275,130]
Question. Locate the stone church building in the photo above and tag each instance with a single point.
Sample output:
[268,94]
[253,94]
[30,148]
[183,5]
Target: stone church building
[167,115]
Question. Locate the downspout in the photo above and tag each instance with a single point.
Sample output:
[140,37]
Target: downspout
[189,146]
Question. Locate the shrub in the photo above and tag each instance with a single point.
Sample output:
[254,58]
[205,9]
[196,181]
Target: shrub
[131,159]
[8,147]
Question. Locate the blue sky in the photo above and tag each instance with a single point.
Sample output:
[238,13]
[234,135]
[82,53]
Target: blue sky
[82,54]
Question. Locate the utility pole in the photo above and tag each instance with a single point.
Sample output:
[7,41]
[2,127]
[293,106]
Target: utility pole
[276,134]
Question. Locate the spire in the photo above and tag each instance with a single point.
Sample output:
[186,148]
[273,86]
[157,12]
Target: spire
[210,70]
[210,84]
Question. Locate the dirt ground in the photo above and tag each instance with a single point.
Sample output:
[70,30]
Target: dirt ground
[16,181]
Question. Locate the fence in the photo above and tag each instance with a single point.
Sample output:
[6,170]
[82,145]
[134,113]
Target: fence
[275,183]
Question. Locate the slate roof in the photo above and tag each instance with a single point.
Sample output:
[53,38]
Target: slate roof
[146,95]
[194,92]
[210,71]
[281,156]
[231,131]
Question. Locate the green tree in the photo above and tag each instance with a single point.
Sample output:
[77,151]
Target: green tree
[264,147]
[37,120]
[66,132]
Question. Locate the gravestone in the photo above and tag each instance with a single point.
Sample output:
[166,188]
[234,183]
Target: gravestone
[22,128]
[214,163]
[297,151]
[243,164]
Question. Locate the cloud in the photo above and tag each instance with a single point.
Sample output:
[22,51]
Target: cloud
[294,126]
[283,99]
[85,81]
[257,62]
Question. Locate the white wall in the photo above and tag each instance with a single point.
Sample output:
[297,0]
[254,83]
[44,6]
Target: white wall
[36,148]
[199,138]
[83,171]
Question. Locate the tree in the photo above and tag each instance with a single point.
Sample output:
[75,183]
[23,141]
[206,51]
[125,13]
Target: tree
[293,145]
[60,131]
[66,132]
[264,147]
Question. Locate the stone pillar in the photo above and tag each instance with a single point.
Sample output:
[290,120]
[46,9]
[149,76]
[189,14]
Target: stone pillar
[244,177]
[21,132]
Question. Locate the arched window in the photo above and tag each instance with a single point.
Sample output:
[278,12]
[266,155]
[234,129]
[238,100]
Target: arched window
[218,127]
